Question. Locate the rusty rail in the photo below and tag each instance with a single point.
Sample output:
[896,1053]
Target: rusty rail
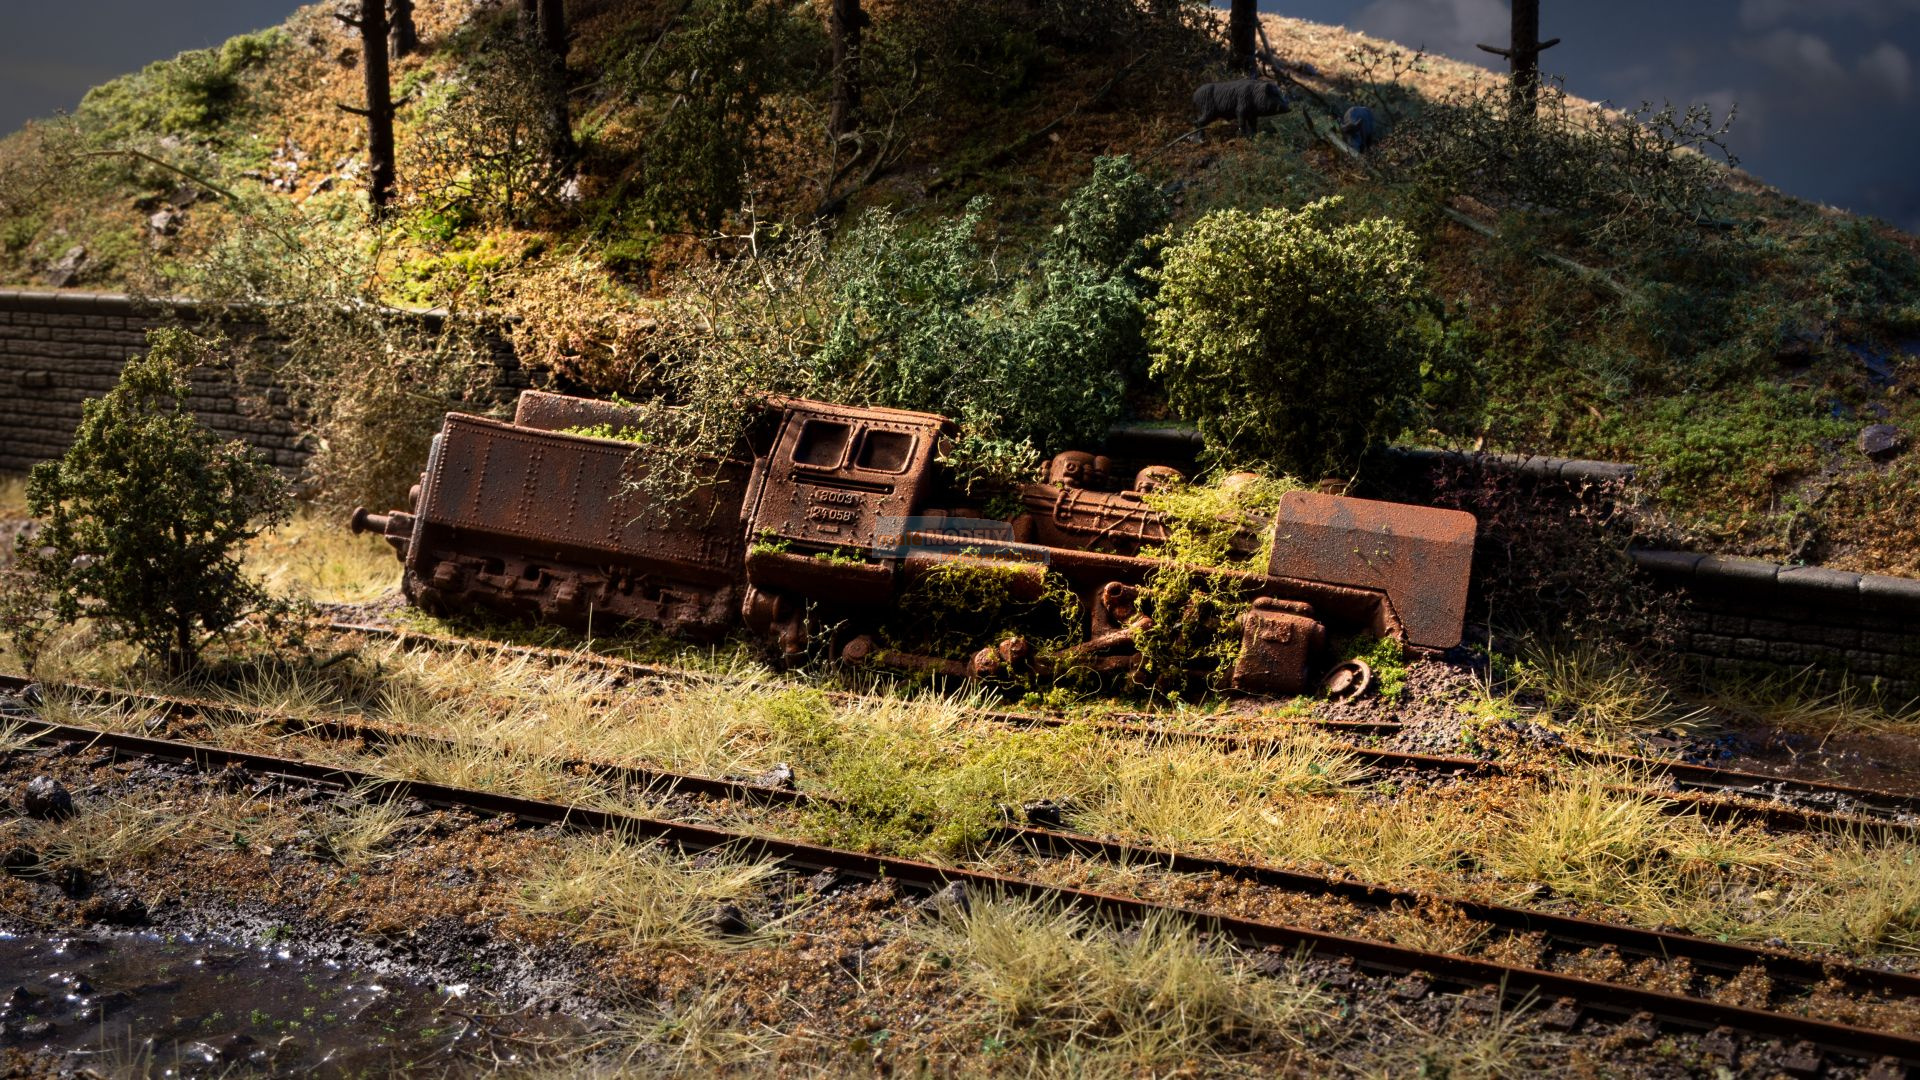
[1513,984]
[1707,955]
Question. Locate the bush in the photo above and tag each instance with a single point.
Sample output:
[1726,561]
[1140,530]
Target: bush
[485,147]
[145,514]
[1616,182]
[1295,342]
[707,83]
[915,318]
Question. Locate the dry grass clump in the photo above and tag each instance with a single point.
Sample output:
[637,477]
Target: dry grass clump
[356,834]
[1866,896]
[1598,691]
[1801,703]
[13,497]
[629,892]
[315,557]
[1086,998]
[1592,836]
[117,834]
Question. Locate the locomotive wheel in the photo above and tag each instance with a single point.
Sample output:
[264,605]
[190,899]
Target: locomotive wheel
[1349,679]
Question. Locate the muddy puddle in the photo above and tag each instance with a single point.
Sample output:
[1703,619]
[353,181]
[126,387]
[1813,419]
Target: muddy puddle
[146,1005]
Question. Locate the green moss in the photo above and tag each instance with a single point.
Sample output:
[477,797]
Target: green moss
[194,94]
[1388,661]
[961,607]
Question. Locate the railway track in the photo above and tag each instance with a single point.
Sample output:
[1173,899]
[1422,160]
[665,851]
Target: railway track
[1576,999]
[1789,976]
[1700,789]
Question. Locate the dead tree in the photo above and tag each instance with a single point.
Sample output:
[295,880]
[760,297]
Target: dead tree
[550,23]
[401,33]
[1242,22]
[372,24]
[1523,52]
[845,21]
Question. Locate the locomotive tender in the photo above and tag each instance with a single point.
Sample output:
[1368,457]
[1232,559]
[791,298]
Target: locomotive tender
[843,509]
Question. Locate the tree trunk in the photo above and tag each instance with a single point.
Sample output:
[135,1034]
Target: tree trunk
[1523,55]
[553,26]
[405,38]
[1526,56]
[530,13]
[379,111]
[1242,20]
[553,37]
[845,21]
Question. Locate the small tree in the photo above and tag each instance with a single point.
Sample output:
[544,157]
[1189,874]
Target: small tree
[144,515]
[1291,339]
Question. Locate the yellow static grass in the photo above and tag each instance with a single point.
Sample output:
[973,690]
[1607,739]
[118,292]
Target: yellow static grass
[622,891]
[1139,1001]
[315,557]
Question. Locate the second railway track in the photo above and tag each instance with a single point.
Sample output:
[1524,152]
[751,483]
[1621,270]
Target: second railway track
[1775,800]
[1790,977]
[1576,998]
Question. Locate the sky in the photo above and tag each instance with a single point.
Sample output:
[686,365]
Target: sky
[1828,104]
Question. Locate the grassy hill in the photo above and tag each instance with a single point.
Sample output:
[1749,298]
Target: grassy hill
[1604,294]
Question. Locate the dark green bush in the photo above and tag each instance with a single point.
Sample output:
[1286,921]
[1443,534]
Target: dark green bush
[1294,341]
[144,517]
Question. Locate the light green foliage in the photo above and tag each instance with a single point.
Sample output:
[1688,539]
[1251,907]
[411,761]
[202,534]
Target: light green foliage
[621,433]
[1293,339]
[1730,451]
[962,607]
[193,94]
[484,148]
[145,515]
[1388,661]
[1228,523]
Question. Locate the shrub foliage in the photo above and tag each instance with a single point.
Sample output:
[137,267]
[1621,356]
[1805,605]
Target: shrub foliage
[1291,339]
[144,516]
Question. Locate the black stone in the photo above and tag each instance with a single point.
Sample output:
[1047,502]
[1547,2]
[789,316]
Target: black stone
[45,797]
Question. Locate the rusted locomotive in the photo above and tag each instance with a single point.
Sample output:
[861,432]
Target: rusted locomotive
[841,510]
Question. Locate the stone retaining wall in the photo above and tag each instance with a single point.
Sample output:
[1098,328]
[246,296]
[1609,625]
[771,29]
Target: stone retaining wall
[1743,617]
[1739,618]
[59,348]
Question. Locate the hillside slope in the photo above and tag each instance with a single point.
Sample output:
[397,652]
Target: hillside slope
[1738,354]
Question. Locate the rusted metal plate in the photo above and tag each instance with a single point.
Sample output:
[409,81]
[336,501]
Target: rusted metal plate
[558,412]
[1419,556]
[565,491]
[837,475]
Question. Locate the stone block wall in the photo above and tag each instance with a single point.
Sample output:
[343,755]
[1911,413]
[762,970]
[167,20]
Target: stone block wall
[1741,617]
[59,348]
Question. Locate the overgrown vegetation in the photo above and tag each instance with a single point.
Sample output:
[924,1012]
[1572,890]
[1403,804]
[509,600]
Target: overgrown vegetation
[144,517]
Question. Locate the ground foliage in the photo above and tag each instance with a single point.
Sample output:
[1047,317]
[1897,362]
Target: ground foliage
[144,517]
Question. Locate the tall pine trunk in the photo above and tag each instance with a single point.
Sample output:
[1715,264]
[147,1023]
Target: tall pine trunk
[379,110]
[402,34]
[552,24]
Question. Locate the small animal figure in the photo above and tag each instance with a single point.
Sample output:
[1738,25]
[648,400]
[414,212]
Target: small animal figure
[1358,127]
[1244,100]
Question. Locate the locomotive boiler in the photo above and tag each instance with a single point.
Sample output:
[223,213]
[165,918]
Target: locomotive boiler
[814,543]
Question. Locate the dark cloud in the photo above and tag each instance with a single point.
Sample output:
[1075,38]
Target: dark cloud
[1826,89]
